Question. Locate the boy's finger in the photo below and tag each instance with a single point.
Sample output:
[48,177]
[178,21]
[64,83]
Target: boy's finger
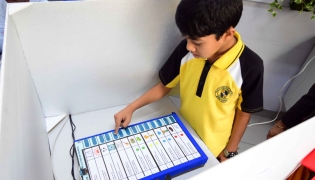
[117,125]
[116,129]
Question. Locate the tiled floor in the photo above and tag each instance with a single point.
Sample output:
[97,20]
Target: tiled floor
[253,134]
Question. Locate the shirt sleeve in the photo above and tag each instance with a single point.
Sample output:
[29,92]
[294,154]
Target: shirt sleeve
[251,98]
[301,109]
[169,73]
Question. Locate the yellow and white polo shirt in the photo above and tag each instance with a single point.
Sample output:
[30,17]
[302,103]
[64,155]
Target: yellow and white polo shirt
[210,93]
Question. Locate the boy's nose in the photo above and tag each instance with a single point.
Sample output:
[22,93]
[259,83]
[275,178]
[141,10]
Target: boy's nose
[190,46]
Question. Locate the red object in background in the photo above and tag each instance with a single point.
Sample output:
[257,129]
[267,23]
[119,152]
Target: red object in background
[309,161]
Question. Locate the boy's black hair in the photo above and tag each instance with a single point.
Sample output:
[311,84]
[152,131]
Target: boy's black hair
[199,18]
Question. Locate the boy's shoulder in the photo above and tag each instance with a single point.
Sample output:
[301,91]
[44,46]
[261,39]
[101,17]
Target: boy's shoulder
[250,59]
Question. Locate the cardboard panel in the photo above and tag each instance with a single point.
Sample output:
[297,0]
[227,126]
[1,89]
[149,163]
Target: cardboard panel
[275,158]
[85,56]
[24,152]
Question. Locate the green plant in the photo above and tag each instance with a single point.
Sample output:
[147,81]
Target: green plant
[298,5]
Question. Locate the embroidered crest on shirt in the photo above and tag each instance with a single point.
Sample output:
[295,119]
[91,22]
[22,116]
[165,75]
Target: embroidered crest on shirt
[223,93]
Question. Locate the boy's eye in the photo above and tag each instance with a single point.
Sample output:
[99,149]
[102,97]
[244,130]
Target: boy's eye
[197,44]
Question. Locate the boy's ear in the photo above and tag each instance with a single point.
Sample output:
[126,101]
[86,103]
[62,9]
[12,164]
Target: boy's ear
[229,34]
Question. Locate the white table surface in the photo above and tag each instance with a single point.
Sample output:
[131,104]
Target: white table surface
[100,121]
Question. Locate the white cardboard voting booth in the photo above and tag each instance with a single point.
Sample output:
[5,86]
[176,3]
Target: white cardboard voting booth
[90,59]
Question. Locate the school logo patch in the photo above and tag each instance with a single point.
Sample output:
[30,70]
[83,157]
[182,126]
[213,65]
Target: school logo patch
[223,93]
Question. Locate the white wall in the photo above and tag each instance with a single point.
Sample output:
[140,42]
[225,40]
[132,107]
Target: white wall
[24,152]
[283,42]
[302,83]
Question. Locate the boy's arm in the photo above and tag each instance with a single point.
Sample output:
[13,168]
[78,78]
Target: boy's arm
[239,126]
[123,117]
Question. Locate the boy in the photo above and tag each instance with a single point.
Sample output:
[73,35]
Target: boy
[221,80]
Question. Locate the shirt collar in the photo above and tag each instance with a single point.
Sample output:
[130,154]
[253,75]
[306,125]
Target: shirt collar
[231,55]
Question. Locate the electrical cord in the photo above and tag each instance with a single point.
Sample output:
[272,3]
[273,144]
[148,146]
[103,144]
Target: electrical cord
[279,95]
[168,177]
[72,149]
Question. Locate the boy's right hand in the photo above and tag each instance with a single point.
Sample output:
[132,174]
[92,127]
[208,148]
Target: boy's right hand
[122,118]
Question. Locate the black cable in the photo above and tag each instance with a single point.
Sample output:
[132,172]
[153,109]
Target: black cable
[72,149]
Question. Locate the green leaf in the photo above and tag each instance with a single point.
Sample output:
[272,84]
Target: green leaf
[274,14]
[312,18]
[309,7]
[272,4]
[270,10]
[298,1]
[280,8]
[277,5]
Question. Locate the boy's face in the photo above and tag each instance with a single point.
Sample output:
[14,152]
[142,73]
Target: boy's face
[204,47]
[209,47]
